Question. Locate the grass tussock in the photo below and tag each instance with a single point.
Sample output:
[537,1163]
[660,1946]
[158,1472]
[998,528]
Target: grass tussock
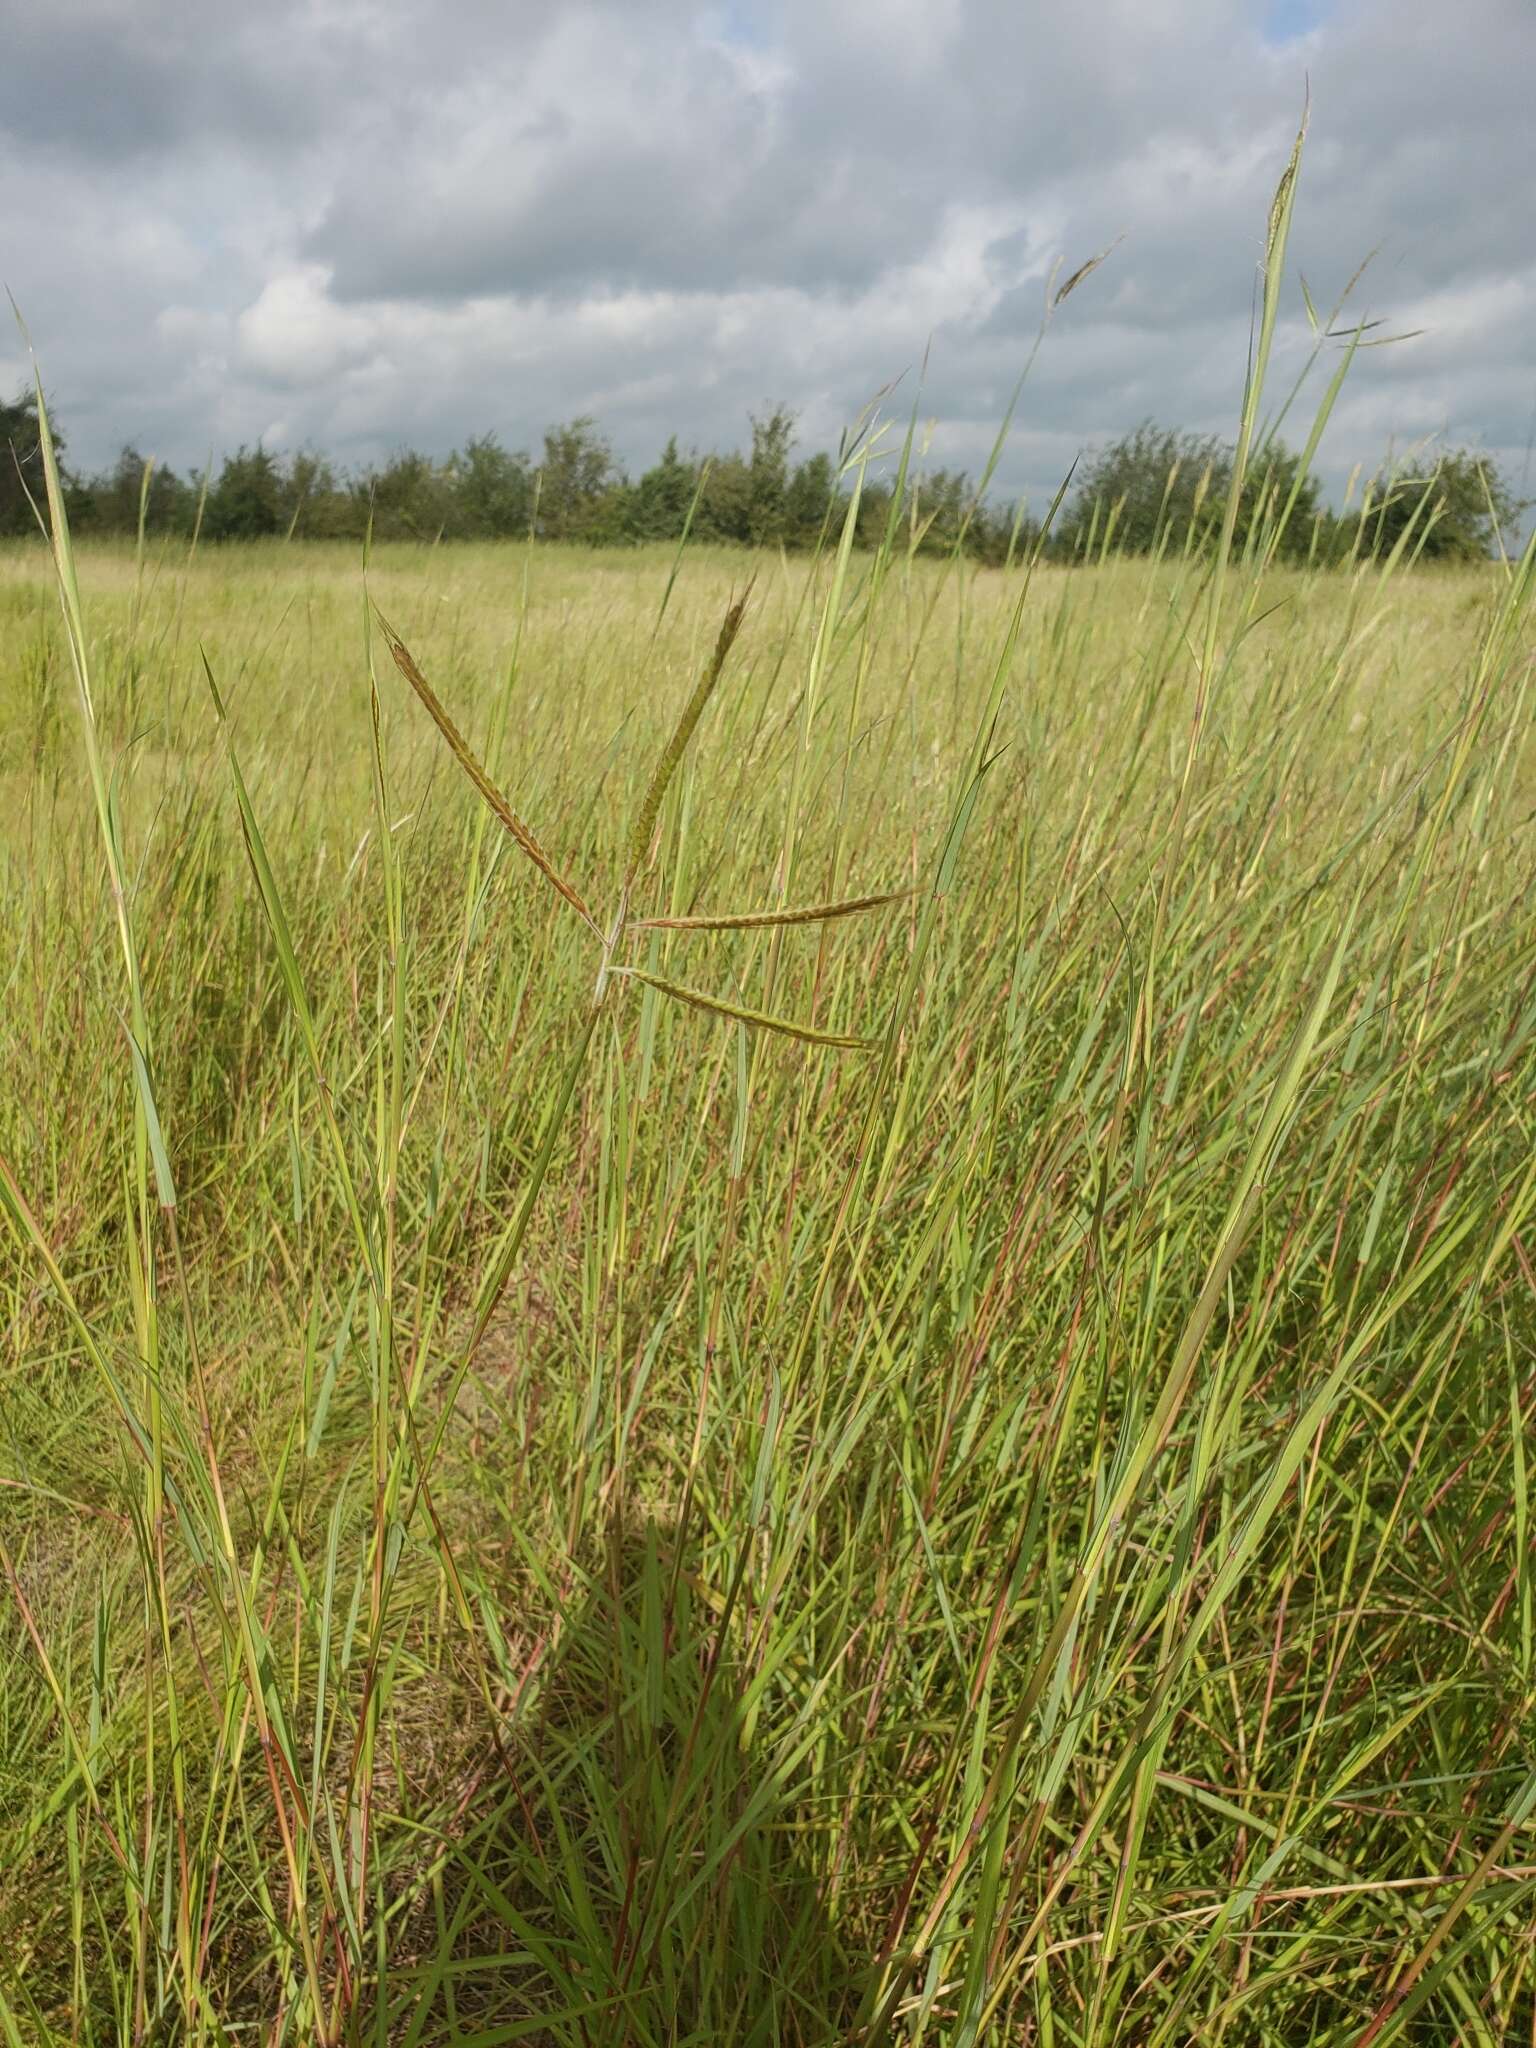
[896,1412]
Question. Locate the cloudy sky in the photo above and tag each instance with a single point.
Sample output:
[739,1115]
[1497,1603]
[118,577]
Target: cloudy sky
[360,223]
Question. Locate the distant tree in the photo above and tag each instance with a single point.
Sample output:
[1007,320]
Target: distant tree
[1159,489]
[112,501]
[874,513]
[810,497]
[493,489]
[610,519]
[313,503]
[939,504]
[21,463]
[1276,490]
[577,471]
[79,500]
[411,498]
[1150,488]
[773,436]
[661,497]
[725,510]
[246,503]
[115,493]
[1458,507]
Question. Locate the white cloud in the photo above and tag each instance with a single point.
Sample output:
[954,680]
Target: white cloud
[295,333]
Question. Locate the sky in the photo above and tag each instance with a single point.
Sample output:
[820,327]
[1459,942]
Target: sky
[362,224]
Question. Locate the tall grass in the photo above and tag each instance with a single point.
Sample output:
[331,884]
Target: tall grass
[636,1461]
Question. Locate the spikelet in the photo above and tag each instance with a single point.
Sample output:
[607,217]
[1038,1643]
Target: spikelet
[693,711]
[755,920]
[719,1007]
[492,796]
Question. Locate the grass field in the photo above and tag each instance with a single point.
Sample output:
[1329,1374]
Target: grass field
[539,1516]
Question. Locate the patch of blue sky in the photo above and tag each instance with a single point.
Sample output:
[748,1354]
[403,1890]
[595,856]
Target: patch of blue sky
[1287,21]
[743,22]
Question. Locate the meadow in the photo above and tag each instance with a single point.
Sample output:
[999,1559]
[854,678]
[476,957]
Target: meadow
[594,1453]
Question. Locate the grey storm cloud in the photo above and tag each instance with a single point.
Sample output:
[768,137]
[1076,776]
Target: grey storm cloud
[359,222]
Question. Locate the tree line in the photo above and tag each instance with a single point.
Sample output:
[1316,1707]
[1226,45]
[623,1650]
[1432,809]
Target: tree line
[1156,490]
